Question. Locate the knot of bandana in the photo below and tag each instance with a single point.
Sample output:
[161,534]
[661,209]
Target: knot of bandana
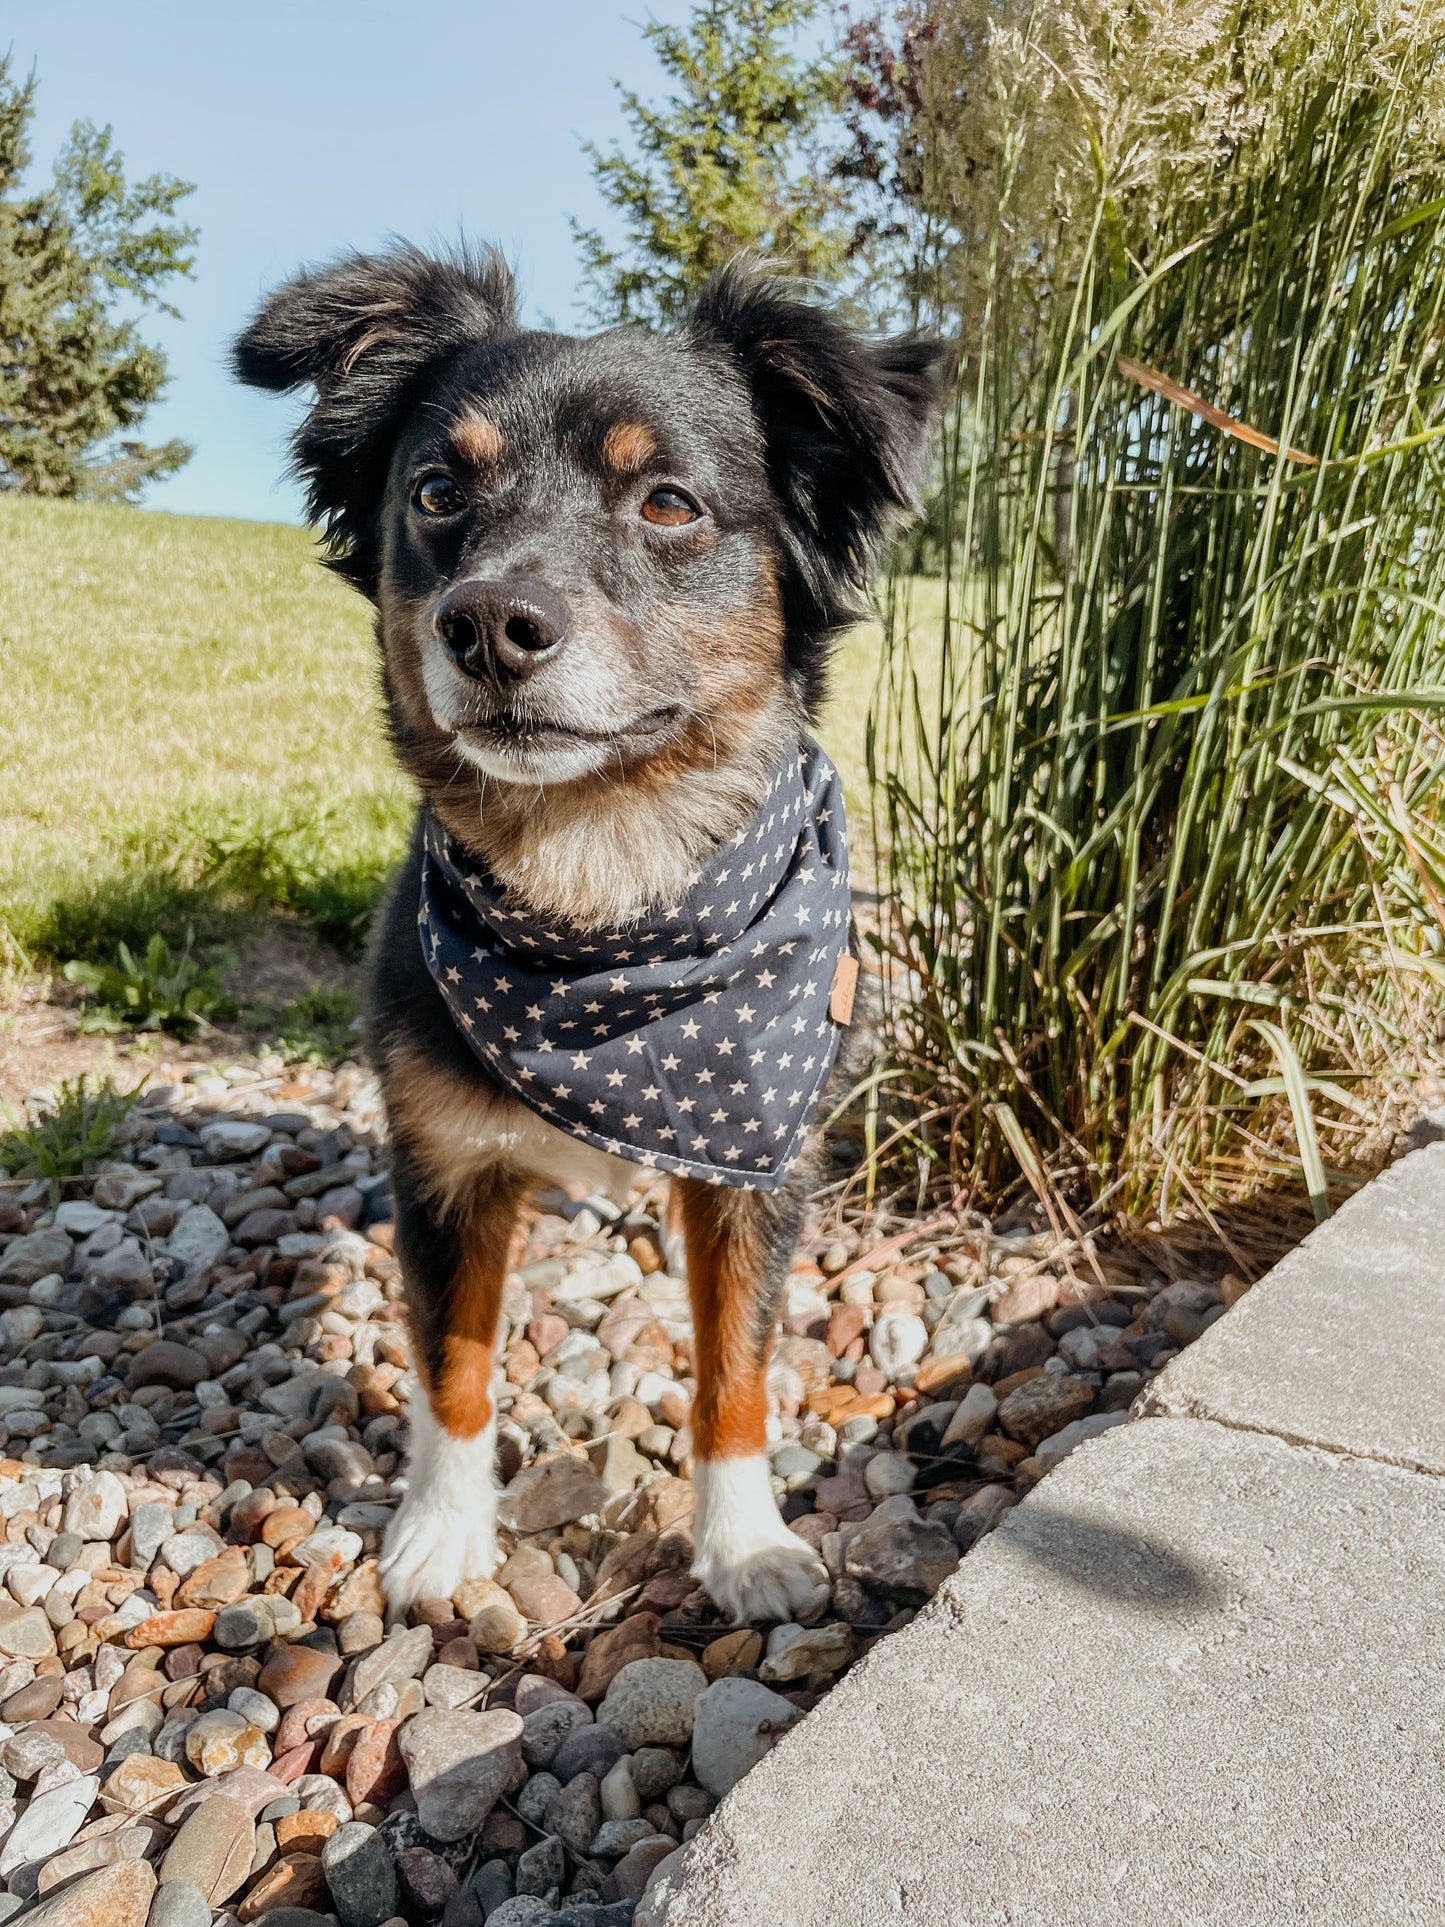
[698,1040]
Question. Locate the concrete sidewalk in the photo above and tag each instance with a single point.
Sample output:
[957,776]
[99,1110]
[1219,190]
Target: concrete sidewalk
[1195,1677]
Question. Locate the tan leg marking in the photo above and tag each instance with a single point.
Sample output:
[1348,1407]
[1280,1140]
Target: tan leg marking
[724,1282]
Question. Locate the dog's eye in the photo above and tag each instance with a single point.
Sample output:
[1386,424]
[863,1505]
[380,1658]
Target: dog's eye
[438,495]
[669,508]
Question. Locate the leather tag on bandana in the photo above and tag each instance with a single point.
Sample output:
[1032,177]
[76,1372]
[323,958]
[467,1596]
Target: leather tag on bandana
[845,985]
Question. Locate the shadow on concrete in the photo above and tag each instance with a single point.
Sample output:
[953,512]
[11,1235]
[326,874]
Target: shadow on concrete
[1121,1563]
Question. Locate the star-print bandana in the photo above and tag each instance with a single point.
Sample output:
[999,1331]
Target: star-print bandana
[698,1040]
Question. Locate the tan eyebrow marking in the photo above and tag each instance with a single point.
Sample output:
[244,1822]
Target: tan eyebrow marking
[628,447]
[477,437]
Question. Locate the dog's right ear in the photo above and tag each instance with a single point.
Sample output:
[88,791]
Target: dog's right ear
[362,332]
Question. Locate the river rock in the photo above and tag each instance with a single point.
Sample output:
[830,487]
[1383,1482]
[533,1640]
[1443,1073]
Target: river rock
[187,1626]
[296,1673]
[544,1730]
[493,1623]
[972,1418]
[453,1686]
[233,1137]
[199,1240]
[177,1367]
[26,1633]
[551,1493]
[375,1769]
[806,1653]
[406,1655]
[218,1582]
[650,1702]
[295,1880]
[616,1837]
[1057,1446]
[460,1764]
[540,1870]
[589,1749]
[180,1904]
[1042,1406]
[213,1849]
[636,1637]
[360,1876]
[220,1741]
[247,1785]
[97,1507]
[142,1784]
[117,1896]
[523,1910]
[575,1811]
[125,1269]
[898,1340]
[737,1723]
[250,1622]
[889,1473]
[898,1554]
[72,1739]
[34,1256]
[50,1822]
[633,1871]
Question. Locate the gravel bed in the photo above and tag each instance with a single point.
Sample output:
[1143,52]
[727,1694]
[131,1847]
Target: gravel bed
[204,1377]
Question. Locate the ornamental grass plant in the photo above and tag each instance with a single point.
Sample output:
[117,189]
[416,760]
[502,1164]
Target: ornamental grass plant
[1158,810]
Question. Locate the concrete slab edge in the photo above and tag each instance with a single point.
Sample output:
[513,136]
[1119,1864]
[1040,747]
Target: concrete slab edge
[1171,1398]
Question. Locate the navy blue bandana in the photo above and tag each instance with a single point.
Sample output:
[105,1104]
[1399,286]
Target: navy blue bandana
[699,1039]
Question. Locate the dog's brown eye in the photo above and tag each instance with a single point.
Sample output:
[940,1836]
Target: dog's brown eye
[438,495]
[669,508]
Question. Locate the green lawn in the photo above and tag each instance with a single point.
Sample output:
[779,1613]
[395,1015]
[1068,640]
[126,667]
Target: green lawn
[191,730]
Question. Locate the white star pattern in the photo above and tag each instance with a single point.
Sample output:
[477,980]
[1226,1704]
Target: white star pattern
[738,976]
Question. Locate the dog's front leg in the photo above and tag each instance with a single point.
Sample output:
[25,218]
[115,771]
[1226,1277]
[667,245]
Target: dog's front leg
[739,1247]
[455,1264]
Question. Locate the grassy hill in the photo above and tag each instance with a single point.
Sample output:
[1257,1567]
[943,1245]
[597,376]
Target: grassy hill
[191,732]
[190,724]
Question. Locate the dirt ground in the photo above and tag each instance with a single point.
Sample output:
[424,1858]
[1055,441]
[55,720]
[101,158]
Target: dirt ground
[41,1043]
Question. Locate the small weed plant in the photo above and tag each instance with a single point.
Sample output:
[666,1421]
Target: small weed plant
[319,1027]
[80,1129]
[156,991]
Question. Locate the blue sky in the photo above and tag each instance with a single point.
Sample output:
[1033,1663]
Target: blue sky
[315,125]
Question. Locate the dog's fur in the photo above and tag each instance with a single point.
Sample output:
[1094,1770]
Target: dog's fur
[597,786]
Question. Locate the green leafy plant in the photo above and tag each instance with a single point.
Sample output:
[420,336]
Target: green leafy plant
[153,991]
[319,1026]
[80,1129]
[316,1028]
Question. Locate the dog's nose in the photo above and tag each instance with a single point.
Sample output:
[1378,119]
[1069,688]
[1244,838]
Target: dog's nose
[504,630]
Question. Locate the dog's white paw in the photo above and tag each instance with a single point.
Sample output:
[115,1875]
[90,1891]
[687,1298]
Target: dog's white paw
[446,1528]
[746,1557]
[778,1582]
[430,1549]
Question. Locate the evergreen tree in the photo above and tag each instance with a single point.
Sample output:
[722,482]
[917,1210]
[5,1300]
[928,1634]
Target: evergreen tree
[75,374]
[726,163]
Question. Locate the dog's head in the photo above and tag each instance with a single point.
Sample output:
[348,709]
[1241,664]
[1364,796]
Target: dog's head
[591,553]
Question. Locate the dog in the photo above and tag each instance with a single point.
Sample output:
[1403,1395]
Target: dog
[607,572]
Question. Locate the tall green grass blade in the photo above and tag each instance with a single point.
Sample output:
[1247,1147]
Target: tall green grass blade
[1176,757]
[1296,1087]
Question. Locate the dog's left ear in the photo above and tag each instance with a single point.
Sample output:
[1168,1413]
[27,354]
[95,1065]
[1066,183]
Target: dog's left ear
[846,422]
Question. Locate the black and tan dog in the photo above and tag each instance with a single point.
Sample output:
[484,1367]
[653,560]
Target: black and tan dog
[607,572]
